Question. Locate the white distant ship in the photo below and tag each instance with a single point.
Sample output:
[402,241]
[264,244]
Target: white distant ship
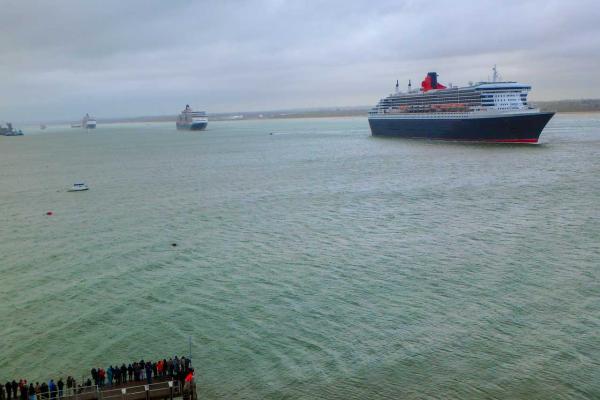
[88,122]
[10,131]
[192,120]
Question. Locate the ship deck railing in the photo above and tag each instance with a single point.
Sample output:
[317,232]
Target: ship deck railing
[431,112]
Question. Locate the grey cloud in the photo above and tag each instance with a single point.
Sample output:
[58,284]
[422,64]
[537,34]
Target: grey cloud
[119,58]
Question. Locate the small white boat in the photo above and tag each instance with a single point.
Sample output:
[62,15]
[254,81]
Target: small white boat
[78,187]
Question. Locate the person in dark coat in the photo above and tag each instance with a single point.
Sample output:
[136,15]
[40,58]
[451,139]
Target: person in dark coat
[124,373]
[8,387]
[60,385]
[44,389]
[170,365]
[31,392]
[14,386]
[69,385]
[95,376]
[148,373]
[130,372]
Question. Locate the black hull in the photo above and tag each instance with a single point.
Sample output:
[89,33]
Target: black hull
[197,126]
[525,128]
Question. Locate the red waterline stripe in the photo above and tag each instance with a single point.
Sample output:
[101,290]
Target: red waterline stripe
[513,140]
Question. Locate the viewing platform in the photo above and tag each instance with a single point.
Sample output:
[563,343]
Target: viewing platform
[165,389]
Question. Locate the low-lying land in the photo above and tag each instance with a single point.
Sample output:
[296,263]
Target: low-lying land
[583,105]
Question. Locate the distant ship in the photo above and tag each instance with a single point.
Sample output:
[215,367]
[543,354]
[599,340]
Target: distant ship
[495,111]
[10,131]
[88,122]
[192,120]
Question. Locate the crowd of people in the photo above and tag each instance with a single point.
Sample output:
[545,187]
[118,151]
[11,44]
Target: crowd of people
[177,368]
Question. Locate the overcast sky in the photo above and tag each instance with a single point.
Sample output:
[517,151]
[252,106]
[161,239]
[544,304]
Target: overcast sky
[60,59]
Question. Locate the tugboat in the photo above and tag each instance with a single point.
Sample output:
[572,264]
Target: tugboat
[9,131]
[495,111]
[192,120]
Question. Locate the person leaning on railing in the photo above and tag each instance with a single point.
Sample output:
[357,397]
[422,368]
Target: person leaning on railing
[31,392]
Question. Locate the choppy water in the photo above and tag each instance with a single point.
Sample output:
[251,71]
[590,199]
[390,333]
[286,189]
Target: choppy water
[316,262]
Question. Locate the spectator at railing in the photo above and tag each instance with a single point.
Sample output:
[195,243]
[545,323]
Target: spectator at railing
[53,389]
[44,390]
[123,373]
[60,385]
[175,368]
[31,392]
[70,385]
[23,389]
[94,376]
[109,375]
[148,368]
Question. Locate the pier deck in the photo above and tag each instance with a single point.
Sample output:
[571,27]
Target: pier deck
[165,389]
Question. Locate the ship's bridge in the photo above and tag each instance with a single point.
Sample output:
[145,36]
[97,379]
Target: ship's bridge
[503,95]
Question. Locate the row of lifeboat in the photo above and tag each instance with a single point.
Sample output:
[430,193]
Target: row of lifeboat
[447,107]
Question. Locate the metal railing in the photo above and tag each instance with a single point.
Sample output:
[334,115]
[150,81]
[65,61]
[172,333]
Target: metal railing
[163,390]
[160,390]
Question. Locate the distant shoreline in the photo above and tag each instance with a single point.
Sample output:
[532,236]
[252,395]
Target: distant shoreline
[253,117]
[559,106]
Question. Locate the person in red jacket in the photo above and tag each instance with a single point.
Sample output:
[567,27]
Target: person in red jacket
[159,367]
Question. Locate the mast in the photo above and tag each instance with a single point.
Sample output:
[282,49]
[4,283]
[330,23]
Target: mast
[495,75]
[397,87]
[190,343]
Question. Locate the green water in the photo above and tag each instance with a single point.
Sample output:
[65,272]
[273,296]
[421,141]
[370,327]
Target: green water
[316,262]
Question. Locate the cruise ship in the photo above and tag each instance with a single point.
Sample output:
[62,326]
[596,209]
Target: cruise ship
[495,111]
[88,122]
[10,131]
[192,120]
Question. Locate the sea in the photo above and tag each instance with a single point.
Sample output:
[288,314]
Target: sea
[305,259]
